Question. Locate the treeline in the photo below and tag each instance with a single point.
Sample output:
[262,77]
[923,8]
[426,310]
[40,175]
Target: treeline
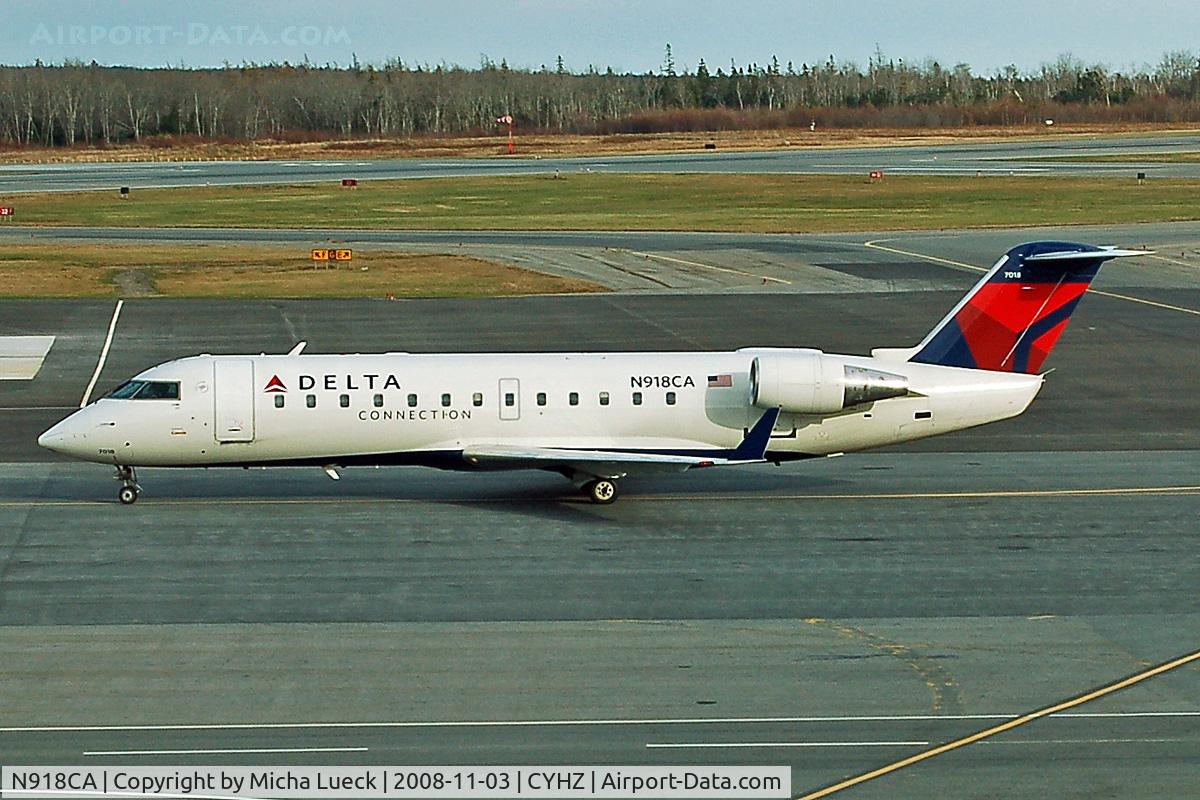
[74,103]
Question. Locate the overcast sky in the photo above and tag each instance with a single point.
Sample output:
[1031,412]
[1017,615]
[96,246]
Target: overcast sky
[628,35]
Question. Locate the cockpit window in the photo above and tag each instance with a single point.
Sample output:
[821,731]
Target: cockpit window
[126,390]
[146,390]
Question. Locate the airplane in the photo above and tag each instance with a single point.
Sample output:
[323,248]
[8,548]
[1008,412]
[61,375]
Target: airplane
[595,418]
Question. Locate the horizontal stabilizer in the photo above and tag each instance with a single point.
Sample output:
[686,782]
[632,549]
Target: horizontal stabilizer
[1087,255]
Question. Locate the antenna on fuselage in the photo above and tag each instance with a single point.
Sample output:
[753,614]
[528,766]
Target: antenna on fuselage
[298,349]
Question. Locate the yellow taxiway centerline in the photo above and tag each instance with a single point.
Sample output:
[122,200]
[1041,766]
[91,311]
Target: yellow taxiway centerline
[874,245]
[1017,722]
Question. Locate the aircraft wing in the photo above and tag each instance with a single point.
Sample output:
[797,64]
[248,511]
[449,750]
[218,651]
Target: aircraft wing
[616,463]
[601,463]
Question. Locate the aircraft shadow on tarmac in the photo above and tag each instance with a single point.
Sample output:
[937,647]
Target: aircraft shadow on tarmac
[529,493]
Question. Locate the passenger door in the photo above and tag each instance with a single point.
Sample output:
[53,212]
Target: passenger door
[510,398]
[233,399]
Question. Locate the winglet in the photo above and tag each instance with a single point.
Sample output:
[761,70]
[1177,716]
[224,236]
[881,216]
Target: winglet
[754,446]
[298,349]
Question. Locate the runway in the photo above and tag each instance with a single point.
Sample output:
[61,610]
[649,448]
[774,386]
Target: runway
[834,615]
[1017,156]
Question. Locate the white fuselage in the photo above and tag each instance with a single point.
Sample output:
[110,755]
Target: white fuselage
[426,409]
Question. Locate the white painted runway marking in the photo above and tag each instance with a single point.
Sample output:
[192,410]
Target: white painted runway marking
[528,723]
[36,408]
[953,167]
[225,751]
[21,357]
[112,327]
[1133,740]
[696,745]
[719,745]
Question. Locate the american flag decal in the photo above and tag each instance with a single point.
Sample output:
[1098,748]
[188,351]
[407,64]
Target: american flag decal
[720,381]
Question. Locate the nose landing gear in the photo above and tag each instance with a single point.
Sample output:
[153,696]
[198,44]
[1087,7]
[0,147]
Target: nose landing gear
[130,491]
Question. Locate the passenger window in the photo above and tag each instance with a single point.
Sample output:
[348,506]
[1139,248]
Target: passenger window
[344,400]
[378,400]
[604,398]
[412,401]
[510,399]
[637,398]
[477,399]
[573,399]
[670,398]
[279,401]
[446,400]
[310,400]
[541,398]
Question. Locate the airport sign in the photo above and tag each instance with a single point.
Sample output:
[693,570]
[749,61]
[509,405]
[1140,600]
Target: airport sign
[332,254]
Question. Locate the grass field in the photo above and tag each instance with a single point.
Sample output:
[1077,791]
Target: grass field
[92,270]
[595,201]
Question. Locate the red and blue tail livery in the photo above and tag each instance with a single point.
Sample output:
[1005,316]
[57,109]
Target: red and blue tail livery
[1010,321]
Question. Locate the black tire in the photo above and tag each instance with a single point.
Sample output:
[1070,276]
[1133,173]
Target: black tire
[128,495]
[602,491]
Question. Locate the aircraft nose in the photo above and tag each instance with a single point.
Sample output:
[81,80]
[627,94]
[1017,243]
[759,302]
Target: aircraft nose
[59,438]
[51,440]
[54,438]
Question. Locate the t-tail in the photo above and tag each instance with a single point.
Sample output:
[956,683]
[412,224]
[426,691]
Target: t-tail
[1011,319]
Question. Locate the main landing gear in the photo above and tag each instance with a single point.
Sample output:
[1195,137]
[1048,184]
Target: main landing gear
[601,491]
[130,491]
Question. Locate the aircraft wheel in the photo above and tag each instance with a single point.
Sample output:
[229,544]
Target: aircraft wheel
[602,491]
[128,495]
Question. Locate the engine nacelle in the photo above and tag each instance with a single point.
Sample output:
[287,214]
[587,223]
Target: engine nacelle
[804,381]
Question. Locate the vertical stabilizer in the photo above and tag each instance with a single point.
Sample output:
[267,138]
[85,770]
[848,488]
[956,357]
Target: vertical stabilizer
[1012,318]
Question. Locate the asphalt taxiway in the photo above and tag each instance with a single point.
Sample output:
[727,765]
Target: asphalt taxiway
[1035,156]
[834,615]
[830,615]
[1127,354]
[719,263]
